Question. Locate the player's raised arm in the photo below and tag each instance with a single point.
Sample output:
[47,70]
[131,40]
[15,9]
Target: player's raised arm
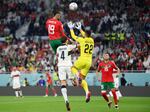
[63,34]
[71,26]
[62,30]
[78,26]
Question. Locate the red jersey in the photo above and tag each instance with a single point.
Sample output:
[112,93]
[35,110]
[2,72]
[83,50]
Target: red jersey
[49,79]
[107,71]
[55,29]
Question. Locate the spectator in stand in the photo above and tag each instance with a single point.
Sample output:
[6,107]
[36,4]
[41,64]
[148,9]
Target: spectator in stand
[140,65]
[146,63]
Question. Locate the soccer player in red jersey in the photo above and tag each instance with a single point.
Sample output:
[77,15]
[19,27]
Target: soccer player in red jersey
[49,84]
[106,67]
[55,30]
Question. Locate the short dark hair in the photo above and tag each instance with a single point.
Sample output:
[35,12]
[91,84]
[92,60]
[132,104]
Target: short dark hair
[63,40]
[106,52]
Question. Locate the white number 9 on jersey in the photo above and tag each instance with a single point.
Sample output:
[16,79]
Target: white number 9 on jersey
[51,29]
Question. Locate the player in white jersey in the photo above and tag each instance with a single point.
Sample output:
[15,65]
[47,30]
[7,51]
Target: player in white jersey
[116,84]
[15,78]
[64,64]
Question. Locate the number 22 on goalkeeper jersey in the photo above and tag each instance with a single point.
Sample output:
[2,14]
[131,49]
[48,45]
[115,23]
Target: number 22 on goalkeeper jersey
[86,45]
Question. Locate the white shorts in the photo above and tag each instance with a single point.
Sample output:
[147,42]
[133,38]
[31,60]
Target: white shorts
[16,84]
[65,73]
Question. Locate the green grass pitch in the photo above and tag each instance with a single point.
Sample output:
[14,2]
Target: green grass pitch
[56,104]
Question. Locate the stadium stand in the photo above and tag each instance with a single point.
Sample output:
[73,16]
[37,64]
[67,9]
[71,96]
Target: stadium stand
[120,28]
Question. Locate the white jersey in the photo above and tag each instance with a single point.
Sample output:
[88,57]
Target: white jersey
[15,75]
[64,58]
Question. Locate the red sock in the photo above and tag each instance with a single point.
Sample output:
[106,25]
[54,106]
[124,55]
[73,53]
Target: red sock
[54,91]
[105,96]
[114,96]
[46,91]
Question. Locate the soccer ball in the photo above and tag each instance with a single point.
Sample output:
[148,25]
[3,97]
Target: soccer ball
[73,6]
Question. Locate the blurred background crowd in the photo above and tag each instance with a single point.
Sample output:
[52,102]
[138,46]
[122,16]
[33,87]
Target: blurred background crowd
[120,27]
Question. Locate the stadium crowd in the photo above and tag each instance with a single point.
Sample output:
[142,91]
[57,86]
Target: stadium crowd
[119,27]
[27,55]
[103,16]
[32,55]
[15,13]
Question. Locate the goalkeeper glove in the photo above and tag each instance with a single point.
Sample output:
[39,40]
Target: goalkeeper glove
[78,25]
[70,25]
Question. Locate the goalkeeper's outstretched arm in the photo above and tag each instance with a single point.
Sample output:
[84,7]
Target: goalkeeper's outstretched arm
[82,33]
[78,26]
[71,26]
[73,35]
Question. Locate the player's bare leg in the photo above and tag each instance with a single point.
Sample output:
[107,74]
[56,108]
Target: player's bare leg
[46,91]
[115,98]
[54,91]
[104,94]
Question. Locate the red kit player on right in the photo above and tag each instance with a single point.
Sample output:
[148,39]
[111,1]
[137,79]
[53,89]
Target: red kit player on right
[106,67]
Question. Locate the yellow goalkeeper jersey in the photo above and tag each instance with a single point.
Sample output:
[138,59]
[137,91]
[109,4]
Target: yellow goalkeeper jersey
[86,45]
